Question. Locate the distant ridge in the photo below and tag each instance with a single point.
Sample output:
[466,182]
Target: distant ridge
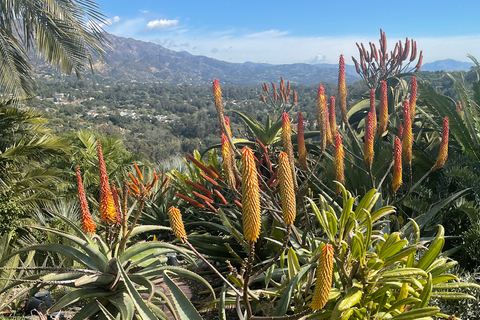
[447,65]
[146,62]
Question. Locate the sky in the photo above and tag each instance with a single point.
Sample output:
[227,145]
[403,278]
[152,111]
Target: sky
[285,32]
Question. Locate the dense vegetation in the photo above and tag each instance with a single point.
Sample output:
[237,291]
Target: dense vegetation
[358,209]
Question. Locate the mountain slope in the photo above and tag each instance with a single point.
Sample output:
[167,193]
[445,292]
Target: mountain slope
[138,61]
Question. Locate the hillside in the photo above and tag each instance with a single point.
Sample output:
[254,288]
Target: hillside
[132,60]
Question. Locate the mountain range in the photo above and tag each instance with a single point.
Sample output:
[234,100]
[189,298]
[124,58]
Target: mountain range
[137,61]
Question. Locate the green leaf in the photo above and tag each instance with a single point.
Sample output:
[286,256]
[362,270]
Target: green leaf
[287,293]
[417,313]
[79,295]
[106,313]
[124,304]
[140,305]
[426,294]
[293,264]
[185,308]
[433,250]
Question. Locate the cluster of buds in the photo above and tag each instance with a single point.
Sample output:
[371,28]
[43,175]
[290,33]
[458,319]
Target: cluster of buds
[377,64]
[282,99]
[140,190]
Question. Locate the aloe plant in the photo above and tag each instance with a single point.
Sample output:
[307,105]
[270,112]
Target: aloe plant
[119,273]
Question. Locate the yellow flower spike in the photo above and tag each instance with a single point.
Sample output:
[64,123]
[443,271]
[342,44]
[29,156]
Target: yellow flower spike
[397,165]
[332,118]
[324,278]
[322,117]
[383,116]
[227,162]
[373,110]
[250,197]
[286,189]
[339,155]
[176,223]
[342,89]
[287,144]
[369,134]
[407,139]
[413,98]
[443,153]
[106,206]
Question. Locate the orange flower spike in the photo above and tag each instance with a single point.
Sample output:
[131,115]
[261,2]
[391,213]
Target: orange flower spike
[217,97]
[373,110]
[215,183]
[206,199]
[250,197]
[302,150]
[139,173]
[342,90]
[287,143]
[116,200]
[176,223]
[209,172]
[88,225]
[220,196]
[339,156]
[397,165]
[324,278]
[106,206]
[321,119]
[383,118]
[190,200]
[369,134]
[400,131]
[287,191]
[407,141]
[327,124]
[413,98]
[164,183]
[332,117]
[295,99]
[227,124]
[227,163]
[263,98]
[443,153]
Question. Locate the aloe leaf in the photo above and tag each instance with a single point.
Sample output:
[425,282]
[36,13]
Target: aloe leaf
[433,250]
[78,295]
[292,263]
[221,308]
[287,293]
[143,249]
[90,248]
[147,228]
[417,313]
[74,226]
[87,311]
[184,307]
[140,305]
[254,126]
[124,304]
[106,313]
[67,251]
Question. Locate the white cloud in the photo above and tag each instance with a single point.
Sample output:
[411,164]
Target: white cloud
[161,24]
[108,22]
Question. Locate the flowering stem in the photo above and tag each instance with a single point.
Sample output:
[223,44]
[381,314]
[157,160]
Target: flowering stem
[268,265]
[213,268]
[123,244]
[248,307]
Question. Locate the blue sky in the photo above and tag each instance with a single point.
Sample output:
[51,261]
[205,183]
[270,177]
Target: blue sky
[296,31]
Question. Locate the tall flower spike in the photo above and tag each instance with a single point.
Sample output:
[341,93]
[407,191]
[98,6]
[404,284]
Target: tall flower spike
[227,125]
[88,225]
[217,98]
[327,124]
[397,165]
[383,117]
[286,189]
[116,201]
[176,223]
[373,110]
[302,150]
[369,134]
[407,140]
[324,278]
[339,155]
[227,163]
[332,117]
[287,143]
[250,197]
[342,90]
[322,122]
[443,153]
[413,98]
[107,206]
